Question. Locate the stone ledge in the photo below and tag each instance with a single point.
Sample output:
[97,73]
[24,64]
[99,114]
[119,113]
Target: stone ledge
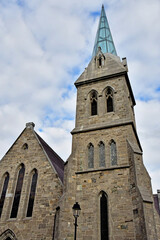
[103,169]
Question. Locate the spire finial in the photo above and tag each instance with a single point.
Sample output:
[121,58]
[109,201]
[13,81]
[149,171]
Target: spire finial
[104,36]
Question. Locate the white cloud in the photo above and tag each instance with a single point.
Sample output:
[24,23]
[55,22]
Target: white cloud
[147,116]
[43,43]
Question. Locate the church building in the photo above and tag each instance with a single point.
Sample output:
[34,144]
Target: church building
[104,175]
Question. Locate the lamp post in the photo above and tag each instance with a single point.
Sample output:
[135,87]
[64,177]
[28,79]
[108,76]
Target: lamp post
[76,212]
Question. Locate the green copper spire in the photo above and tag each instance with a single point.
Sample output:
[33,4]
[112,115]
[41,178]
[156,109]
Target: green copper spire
[103,36]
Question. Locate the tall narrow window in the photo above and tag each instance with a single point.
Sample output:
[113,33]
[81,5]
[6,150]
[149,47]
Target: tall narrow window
[90,156]
[104,216]
[93,99]
[100,61]
[32,193]
[113,153]
[18,192]
[101,154]
[109,99]
[4,190]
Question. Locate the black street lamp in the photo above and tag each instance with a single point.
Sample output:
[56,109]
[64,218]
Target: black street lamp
[76,212]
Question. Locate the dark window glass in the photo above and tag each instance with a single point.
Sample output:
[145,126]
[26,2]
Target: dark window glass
[93,100]
[25,146]
[32,194]
[18,192]
[4,190]
[8,238]
[109,104]
[100,61]
[104,217]
[113,153]
[90,156]
[101,154]
[109,99]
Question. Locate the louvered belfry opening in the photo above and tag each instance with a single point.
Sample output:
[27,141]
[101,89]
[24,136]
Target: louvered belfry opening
[93,100]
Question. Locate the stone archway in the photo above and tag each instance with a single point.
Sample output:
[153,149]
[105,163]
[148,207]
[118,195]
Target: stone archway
[8,235]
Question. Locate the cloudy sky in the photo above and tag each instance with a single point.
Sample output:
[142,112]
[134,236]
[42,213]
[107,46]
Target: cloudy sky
[44,47]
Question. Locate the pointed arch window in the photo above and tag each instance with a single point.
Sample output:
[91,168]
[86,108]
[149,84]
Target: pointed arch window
[104,216]
[93,100]
[32,193]
[113,153]
[8,235]
[90,155]
[109,99]
[18,192]
[101,154]
[4,190]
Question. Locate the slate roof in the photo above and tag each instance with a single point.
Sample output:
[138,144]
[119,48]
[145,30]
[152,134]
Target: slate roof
[55,160]
[156,203]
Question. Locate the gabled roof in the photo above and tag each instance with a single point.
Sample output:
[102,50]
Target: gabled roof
[55,160]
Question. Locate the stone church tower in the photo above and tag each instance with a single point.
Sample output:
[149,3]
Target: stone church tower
[105,173]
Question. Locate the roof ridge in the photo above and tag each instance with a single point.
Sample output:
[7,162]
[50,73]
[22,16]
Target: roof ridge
[56,161]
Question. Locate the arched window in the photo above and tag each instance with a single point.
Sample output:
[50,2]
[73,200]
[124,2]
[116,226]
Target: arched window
[25,146]
[18,192]
[104,216]
[4,190]
[93,99]
[113,152]
[109,99]
[8,235]
[32,193]
[101,154]
[90,155]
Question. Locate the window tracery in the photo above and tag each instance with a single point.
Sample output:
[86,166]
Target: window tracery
[93,100]
[90,155]
[101,154]
[113,152]
[109,99]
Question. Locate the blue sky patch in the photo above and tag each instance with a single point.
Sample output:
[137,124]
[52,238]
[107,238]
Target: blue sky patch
[158,89]
[74,71]
[40,130]
[21,3]
[144,98]
[95,14]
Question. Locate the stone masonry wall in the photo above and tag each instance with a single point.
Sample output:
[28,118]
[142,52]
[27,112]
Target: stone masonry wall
[123,106]
[48,191]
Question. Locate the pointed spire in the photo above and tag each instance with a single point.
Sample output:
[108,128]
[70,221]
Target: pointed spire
[103,36]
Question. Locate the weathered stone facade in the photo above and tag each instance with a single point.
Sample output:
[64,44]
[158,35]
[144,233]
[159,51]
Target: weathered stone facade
[104,171]
[126,184]
[48,190]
